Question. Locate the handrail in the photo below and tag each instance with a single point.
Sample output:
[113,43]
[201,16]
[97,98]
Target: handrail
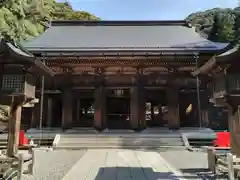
[186,142]
[56,140]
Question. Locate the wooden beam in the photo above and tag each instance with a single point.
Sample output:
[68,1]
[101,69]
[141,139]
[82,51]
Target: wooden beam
[116,59]
[133,64]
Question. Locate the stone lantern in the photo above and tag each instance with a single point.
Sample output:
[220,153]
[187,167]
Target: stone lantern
[18,70]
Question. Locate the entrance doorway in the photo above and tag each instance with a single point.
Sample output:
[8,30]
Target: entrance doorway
[118,109]
[155,108]
[84,112]
[188,109]
[83,108]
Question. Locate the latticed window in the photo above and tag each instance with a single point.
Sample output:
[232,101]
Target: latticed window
[13,83]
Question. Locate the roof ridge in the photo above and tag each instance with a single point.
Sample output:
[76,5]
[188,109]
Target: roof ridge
[121,23]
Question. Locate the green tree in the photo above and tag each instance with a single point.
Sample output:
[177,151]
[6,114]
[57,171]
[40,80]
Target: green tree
[24,19]
[222,29]
[237,24]
[215,24]
[214,33]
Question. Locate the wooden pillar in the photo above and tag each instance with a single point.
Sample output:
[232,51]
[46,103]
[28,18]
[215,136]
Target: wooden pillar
[49,112]
[36,114]
[100,108]
[173,107]
[67,101]
[234,128]
[152,112]
[205,105]
[13,130]
[137,108]
[142,108]
[159,116]
[78,110]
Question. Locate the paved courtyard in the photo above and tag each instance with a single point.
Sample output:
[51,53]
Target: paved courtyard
[193,165]
[119,164]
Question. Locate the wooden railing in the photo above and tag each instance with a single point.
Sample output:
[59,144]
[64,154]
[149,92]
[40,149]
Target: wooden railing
[220,161]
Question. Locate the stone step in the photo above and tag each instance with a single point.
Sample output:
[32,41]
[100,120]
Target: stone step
[115,147]
[83,146]
[123,141]
[118,139]
[121,135]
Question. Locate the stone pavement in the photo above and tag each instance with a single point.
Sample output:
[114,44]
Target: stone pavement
[120,164]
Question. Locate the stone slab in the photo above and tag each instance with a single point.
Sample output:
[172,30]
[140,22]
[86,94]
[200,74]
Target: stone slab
[119,164]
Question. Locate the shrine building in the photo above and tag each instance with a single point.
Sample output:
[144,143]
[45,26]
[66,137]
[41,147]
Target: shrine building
[121,75]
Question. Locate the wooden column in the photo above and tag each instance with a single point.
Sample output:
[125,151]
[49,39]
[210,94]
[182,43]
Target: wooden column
[173,107]
[142,108]
[100,108]
[67,101]
[78,110]
[152,112]
[234,128]
[35,114]
[137,108]
[159,121]
[14,128]
[205,106]
[49,112]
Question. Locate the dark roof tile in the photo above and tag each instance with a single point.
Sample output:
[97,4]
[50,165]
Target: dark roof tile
[132,35]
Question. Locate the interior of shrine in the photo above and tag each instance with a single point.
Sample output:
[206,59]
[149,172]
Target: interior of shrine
[118,105]
[188,118]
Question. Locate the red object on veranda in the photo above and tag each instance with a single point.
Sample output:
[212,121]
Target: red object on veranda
[22,139]
[223,139]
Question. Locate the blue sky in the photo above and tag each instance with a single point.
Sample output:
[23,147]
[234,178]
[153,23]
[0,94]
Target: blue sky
[147,9]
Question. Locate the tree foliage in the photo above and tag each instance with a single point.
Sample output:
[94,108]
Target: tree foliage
[24,19]
[219,25]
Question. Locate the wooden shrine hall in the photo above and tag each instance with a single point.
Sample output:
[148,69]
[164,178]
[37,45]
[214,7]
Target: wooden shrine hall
[121,75]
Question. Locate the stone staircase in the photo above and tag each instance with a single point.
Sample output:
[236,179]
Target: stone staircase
[119,140]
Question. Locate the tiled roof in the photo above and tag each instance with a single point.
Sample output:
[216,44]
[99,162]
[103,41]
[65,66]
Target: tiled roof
[120,35]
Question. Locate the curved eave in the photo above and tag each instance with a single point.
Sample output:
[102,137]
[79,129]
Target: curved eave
[24,56]
[125,51]
[224,55]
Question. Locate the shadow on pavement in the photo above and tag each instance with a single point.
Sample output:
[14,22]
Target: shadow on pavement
[137,173]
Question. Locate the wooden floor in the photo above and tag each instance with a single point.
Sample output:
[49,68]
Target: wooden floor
[119,164]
